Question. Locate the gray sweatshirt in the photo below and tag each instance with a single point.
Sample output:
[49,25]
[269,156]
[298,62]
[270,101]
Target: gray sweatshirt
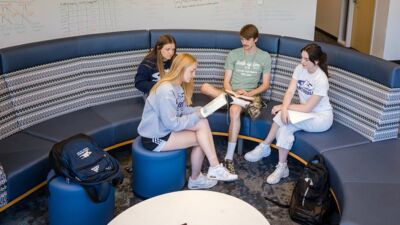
[165,111]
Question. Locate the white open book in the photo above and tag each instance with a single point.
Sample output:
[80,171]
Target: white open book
[232,93]
[213,106]
[240,100]
[296,116]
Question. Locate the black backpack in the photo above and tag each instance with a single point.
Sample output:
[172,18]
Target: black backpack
[81,161]
[311,198]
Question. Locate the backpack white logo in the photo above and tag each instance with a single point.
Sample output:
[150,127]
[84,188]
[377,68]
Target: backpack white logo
[95,169]
[84,153]
[308,180]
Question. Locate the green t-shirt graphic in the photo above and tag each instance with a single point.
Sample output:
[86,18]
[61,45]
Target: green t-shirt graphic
[247,69]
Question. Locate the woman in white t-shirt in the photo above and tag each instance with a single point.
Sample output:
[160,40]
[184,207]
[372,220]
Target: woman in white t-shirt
[310,79]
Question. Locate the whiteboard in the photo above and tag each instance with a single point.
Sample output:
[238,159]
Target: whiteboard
[25,21]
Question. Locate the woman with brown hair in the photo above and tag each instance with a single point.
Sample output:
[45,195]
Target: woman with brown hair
[156,63]
[310,80]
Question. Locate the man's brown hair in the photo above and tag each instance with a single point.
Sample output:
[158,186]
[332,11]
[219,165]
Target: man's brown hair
[249,31]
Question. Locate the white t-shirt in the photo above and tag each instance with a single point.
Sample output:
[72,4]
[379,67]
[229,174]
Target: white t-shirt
[312,84]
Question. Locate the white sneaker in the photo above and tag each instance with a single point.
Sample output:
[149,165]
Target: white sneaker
[201,182]
[220,173]
[281,171]
[262,150]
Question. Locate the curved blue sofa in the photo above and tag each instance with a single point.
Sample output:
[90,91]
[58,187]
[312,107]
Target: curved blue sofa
[54,89]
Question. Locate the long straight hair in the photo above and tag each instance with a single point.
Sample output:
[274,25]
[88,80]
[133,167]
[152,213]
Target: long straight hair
[315,53]
[156,51]
[175,74]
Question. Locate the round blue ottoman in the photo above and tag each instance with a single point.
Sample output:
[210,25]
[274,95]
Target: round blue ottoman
[69,204]
[155,173]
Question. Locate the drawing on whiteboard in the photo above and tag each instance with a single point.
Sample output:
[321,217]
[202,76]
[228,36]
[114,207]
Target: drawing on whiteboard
[26,21]
[15,12]
[87,16]
[182,4]
[16,16]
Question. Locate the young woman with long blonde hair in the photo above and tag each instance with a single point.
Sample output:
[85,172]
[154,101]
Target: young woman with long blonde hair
[169,123]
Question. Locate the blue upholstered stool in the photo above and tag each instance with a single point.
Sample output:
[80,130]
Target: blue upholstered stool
[69,204]
[156,173]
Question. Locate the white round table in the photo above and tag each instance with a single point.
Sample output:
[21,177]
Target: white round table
[192,207]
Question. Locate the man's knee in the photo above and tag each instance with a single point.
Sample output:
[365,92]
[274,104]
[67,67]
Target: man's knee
[205,88]
[235,111]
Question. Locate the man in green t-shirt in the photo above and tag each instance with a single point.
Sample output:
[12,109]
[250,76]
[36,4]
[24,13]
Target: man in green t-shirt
[244,68]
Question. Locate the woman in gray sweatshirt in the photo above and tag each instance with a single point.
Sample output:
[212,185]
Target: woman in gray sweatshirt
[169,123]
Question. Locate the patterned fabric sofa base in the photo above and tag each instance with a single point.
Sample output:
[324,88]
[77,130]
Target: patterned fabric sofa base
[3,187]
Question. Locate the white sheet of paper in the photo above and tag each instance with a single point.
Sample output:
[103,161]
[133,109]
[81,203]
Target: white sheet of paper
[296,116]
[213,106]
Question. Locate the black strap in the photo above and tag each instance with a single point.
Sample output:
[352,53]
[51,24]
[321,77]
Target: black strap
[228,105]
[264,104]
[279,204]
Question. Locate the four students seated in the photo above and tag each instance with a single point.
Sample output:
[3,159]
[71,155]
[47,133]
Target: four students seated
[169,122]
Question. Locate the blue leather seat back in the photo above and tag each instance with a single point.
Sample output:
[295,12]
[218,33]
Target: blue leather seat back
[40,53]
[199,38]
[214,39]
[113,42]
[1,66]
